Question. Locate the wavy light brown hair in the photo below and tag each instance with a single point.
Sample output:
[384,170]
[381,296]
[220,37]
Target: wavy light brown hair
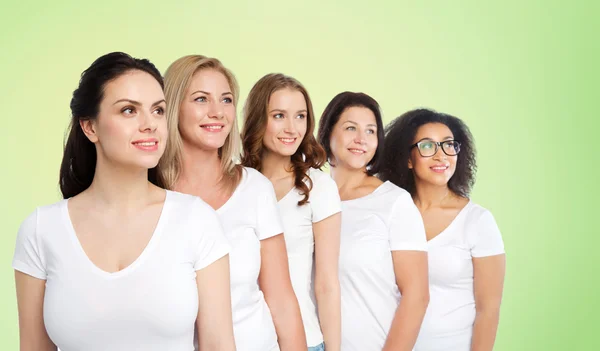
[177,80]
[309,154]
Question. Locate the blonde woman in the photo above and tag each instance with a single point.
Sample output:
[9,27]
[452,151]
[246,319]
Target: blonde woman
[278,141]
[200,159]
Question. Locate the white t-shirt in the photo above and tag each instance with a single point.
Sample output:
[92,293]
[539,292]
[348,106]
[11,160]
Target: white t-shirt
[372,227]
[324,201]
[150,305]
[250,215]
[448,323]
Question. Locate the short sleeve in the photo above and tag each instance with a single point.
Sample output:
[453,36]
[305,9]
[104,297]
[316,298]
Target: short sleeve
[268,221]
[485,237]
[407,231]
[324,197]
[212,243]
[28,255]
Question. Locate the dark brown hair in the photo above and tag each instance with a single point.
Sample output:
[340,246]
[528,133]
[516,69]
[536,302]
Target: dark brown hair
[79,158]
[331,116]
[399,136]
[309,154]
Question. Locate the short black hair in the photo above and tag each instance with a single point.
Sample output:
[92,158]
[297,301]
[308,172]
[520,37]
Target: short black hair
[399,137]
[331,116]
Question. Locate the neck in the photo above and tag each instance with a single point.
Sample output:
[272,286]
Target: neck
[346,178]
[117,186]
[200,167]
[275,166]
[428,195]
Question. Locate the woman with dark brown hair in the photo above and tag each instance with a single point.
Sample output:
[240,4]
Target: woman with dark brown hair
[278,141]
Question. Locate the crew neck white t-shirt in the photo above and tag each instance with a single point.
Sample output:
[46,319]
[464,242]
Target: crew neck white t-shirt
[150,305]
[324,201]
[249,216]
[372,227]
[448,323]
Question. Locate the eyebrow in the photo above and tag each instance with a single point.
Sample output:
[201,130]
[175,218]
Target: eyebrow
[137,103]
[207,93]
[280,110]
[446,138]
[368,125]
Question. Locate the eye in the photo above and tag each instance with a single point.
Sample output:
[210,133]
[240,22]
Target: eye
[426,145]
[201,99]
[278,116]
[370,131]
[128,110]
[301,116]
[351,128]
[227,100]
[159,111]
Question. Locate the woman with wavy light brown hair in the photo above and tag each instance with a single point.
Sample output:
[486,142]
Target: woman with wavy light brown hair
[200,159]
[278,141]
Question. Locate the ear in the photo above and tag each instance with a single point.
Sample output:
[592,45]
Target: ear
[89,129]
[410,165]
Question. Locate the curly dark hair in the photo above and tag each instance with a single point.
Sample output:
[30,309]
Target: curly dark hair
[399,136]
[331,115]
[309,154]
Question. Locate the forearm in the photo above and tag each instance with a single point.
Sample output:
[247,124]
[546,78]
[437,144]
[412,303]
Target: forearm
[484,330]
[288,322]
[407,322]
[329,307]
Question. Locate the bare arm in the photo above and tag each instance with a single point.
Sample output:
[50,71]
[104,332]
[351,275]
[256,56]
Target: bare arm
[488,281]
[214,321]
[410,268]
[327,283]
[275,283]
[30,301]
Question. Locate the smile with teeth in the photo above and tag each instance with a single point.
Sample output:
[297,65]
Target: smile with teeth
[357,151]
[287,141]
[147,143]
[213,127]
[439,169]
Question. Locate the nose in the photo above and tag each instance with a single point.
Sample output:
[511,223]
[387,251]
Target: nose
[439,154]
[360,137]
[289,126]
[215,110]
[148,122]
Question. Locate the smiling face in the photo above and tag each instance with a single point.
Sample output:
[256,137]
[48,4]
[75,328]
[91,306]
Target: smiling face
[286,122]
[207,112]
[353,140]
[130,129]
[439,168]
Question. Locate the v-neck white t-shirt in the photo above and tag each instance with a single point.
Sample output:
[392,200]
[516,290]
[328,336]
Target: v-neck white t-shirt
[324,201]
[372,227]
[249,216]
[150,305]
[448,323]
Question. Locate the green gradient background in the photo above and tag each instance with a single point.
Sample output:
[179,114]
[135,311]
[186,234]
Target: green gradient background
[522,75]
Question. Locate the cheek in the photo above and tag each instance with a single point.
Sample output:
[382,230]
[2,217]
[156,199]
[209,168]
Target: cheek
[272,130]
[189,113]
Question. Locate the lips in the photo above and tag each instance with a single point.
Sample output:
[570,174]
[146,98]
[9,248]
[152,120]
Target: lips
[146,144]
[357,151]
[213,127]
[439,168]
[288,141]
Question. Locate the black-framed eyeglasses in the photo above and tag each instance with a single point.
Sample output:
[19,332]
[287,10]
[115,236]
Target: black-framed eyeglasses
[428,148]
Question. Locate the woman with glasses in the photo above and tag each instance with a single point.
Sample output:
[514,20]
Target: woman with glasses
[433,159]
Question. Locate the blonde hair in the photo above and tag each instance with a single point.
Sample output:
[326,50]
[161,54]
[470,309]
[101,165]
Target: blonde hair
[177,80]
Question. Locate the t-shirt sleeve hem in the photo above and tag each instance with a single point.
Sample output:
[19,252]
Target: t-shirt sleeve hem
[271,234]
[488,253]
[27,269]
[326,215]
[215,255]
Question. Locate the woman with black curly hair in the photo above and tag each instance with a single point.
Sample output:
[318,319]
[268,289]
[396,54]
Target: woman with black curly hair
[432,156]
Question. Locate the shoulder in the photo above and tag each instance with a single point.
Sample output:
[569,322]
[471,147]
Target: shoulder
[253,179]
[321,178]
[395,193]
[185,204]
[477,214]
